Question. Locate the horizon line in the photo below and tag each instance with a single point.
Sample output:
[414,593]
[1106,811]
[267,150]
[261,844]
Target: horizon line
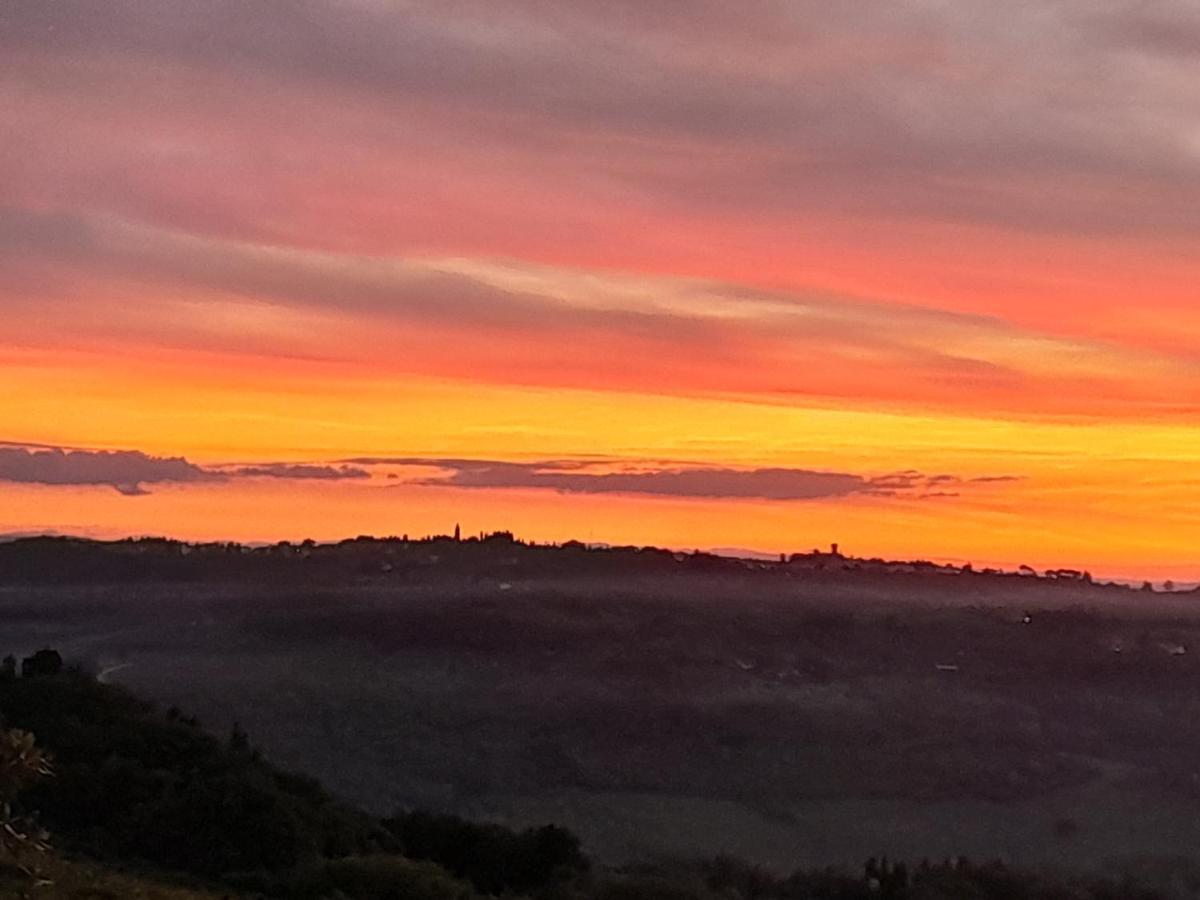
[745,554]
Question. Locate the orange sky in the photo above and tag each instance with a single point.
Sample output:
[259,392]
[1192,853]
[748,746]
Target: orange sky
[628,277]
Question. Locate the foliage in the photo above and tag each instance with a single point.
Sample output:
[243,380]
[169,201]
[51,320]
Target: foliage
[731,879]
[45,662]
[135,786]
[377,877]
[63,879]
[493,858]
[132,784]
[22,764]
[649,886]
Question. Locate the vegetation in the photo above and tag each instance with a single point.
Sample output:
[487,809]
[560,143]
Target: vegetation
[65,879]
[135,788]
[376,877]
[22,763]
[494,859]
[134,784]
[959,879]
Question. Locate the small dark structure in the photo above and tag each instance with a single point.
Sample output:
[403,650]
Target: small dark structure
[44,662]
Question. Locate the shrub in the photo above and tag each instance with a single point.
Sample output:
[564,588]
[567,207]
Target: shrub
[22,764]
[132,783]
[378,877]
[493,858]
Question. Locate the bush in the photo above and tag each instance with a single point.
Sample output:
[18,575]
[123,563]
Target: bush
[674,886]
[22,764]
[380,877]
[133,784]
[493,858]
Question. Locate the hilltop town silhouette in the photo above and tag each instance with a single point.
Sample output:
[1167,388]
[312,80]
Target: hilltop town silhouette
[501,553]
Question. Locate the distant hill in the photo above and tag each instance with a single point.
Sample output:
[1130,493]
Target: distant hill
[57,559]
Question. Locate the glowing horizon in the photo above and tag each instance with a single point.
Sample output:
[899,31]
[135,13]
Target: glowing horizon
[731,273]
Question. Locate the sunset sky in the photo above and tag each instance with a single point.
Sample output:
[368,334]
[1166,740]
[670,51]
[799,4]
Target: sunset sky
[921,277]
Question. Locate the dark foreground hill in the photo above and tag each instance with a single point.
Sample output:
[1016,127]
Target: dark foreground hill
[151,792]
[132,785]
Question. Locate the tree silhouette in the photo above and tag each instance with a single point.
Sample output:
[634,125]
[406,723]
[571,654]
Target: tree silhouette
[43,663]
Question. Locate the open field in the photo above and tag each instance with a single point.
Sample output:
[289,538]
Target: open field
[792,719]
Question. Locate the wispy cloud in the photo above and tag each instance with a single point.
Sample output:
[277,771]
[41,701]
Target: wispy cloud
[708,482]
[1037,162]
[964,112]
[517,323]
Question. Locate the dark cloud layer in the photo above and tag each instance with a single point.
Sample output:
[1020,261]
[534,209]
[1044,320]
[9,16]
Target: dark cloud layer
[124,470]
[708,482]
[128,471]
[299,472]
